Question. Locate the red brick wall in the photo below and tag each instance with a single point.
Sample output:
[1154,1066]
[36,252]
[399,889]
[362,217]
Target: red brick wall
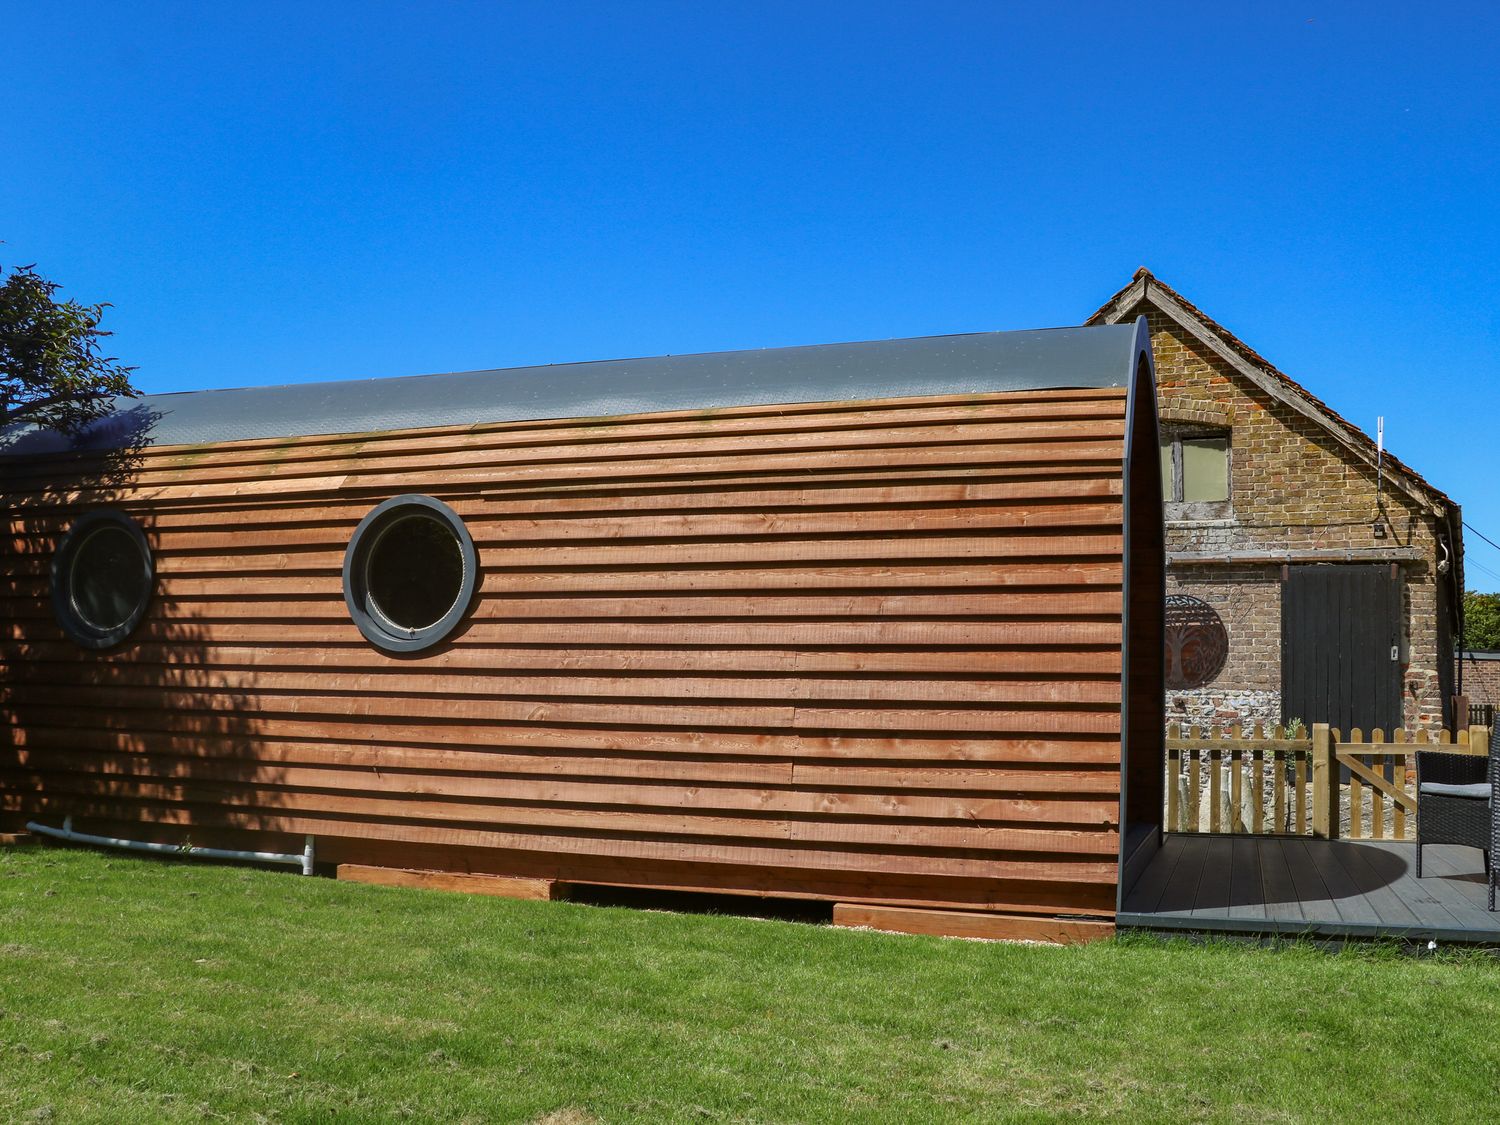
[1481,677]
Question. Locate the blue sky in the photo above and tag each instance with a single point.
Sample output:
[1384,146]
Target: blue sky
[273,193]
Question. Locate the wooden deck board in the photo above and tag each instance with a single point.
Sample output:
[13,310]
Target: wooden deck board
[1278,889]
[1348,901]
[1182,888]
[1153,881]
[1246,897]
[1454,875]
[1306,881]
[1213,880]
[1324,888]
[1400,899]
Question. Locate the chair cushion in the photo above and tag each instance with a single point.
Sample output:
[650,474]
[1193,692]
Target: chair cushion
[1479,789]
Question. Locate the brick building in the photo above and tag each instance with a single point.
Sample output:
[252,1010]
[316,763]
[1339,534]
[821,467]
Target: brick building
[1479,675]
[1304,582]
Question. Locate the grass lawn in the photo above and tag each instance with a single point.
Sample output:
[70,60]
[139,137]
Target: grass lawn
[135,990]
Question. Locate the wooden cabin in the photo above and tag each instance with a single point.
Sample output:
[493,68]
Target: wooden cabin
[877,624]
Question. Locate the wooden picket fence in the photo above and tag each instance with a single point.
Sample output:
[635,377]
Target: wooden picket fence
[1245,779]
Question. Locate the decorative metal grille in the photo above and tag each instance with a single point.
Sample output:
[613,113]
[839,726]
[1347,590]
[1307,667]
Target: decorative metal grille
[1197,642]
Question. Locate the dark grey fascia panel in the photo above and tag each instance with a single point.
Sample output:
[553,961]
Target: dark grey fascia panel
[975,363]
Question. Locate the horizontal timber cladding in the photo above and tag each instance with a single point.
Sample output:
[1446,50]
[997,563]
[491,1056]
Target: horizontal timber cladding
[868,652]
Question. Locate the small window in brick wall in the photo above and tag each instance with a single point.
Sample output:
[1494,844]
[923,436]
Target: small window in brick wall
[1195,473]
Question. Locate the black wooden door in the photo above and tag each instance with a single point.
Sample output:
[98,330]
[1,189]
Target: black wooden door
[1341,646]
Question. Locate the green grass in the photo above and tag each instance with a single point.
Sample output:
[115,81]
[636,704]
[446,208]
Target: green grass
[133,990]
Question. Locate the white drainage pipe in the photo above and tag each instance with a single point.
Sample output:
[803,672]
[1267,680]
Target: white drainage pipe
[304,861]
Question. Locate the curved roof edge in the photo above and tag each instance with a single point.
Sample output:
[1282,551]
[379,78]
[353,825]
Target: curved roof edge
[974,363]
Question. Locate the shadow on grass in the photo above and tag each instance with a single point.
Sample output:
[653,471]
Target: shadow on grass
[688,902]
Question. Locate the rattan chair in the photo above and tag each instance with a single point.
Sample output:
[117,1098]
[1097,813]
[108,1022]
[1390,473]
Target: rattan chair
[1458,796]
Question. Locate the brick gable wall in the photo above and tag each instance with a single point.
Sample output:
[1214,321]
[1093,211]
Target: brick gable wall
[1294,486]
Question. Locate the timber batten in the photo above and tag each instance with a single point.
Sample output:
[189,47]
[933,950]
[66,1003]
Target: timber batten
[865,651]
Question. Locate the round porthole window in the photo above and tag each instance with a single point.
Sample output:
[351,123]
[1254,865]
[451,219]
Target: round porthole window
[102,577]
[409,573]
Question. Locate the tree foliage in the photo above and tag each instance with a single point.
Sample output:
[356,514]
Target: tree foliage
[1481,620]
[52,369]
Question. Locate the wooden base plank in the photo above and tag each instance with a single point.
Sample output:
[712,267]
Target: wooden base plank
[954,923]
[499,886]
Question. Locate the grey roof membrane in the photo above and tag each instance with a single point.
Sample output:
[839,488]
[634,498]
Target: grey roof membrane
[1096,356]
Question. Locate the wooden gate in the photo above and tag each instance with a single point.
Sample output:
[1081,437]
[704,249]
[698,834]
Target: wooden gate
[1242,780]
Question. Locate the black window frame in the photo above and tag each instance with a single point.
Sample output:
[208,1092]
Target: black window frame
[78,628]
[379,631]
